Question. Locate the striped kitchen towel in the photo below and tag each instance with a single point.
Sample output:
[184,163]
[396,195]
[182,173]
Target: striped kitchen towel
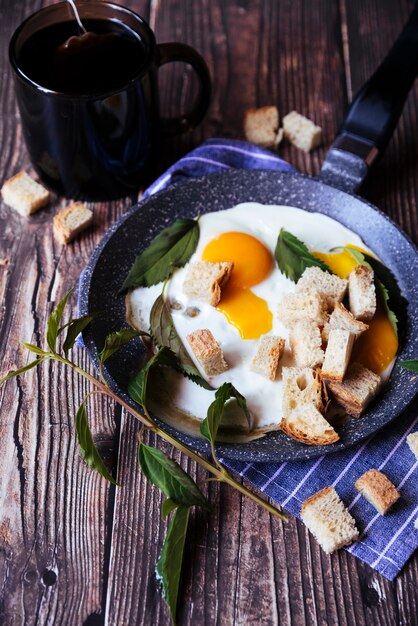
[386,542]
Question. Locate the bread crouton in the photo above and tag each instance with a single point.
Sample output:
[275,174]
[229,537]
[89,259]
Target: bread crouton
[412,441]
[343,319]
[356,391]
[23,194]
[267,356]
[307,425]
[325,515]
[306,343]
[261,126]
[301,385]
[70,221]
[301,131]
[303,305]
[378,490]
[207,351]
[204,281]
[362,293]
[329,286]
[337,354]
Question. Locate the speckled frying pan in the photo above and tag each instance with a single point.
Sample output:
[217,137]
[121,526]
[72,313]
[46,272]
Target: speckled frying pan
[362,138]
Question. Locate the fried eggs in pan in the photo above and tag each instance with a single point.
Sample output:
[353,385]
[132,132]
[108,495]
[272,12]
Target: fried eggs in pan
[247,235]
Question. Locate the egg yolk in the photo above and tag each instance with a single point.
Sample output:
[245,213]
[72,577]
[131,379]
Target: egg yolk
[377,347]
[253,262]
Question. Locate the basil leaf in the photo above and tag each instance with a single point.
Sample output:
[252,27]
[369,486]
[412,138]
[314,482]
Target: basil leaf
[211,423]
[75,327]
[117,340]
[167,507]
[137,388]
[293,257]
[89,451]
[35,349]
[165,334]
[21,370]
[410,365]
[172,248]
[169,477]
[168,569]
[54,322]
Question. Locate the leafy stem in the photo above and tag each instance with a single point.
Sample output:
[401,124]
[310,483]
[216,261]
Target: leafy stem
[180,490]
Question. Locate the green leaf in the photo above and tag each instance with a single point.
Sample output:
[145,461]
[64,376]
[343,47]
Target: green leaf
[172,248]
[22,370]
[35,349]
[410,365]
[75,327]
[88,450]
[117,340]
[211,423]
[383,295]
[165,334]
[167,507]
[168,569]
[387,289]
[169,477]
[293,257]
[137,388]
[54,322]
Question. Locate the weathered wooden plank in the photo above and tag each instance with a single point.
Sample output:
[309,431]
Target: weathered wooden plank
[53,528]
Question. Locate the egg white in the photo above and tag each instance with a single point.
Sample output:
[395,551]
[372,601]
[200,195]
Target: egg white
[264,397]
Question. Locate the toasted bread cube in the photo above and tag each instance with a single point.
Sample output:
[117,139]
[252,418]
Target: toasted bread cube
[301,131]
[356,391]
[378,490]
[261,126]
[337,354]
[362,293]
[70,221]
[204,281]
[307,425]
[325,515]
[24,194]
[306,343]
[267,356]
[207,351]
[412,441]
[301,385]
[329,286]
[343,319]
[302,305]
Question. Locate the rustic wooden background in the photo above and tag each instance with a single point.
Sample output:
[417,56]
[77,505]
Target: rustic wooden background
[73,550]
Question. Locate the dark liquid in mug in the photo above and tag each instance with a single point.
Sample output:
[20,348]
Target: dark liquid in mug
[99,147]
[104,59]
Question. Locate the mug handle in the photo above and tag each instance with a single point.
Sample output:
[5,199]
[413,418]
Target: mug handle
[169,52]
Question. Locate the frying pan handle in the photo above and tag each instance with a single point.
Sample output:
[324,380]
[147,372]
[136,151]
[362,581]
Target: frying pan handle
[374,113]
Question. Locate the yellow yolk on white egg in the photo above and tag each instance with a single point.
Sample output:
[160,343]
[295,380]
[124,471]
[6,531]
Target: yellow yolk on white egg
[253,263]
[377,347]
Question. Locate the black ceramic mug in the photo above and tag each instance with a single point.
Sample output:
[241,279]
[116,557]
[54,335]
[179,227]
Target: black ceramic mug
[89,107]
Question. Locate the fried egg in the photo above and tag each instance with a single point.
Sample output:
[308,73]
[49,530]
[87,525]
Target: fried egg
[247,235]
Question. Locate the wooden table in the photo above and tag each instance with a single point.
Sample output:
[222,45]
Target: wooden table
[74,550]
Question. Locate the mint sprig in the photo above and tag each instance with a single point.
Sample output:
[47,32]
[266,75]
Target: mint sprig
[181,491]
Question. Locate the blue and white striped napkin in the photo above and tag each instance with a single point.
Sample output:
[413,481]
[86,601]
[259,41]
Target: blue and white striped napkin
[386,542]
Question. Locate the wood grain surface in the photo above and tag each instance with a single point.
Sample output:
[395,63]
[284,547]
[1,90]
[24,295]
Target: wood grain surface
[74,550]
